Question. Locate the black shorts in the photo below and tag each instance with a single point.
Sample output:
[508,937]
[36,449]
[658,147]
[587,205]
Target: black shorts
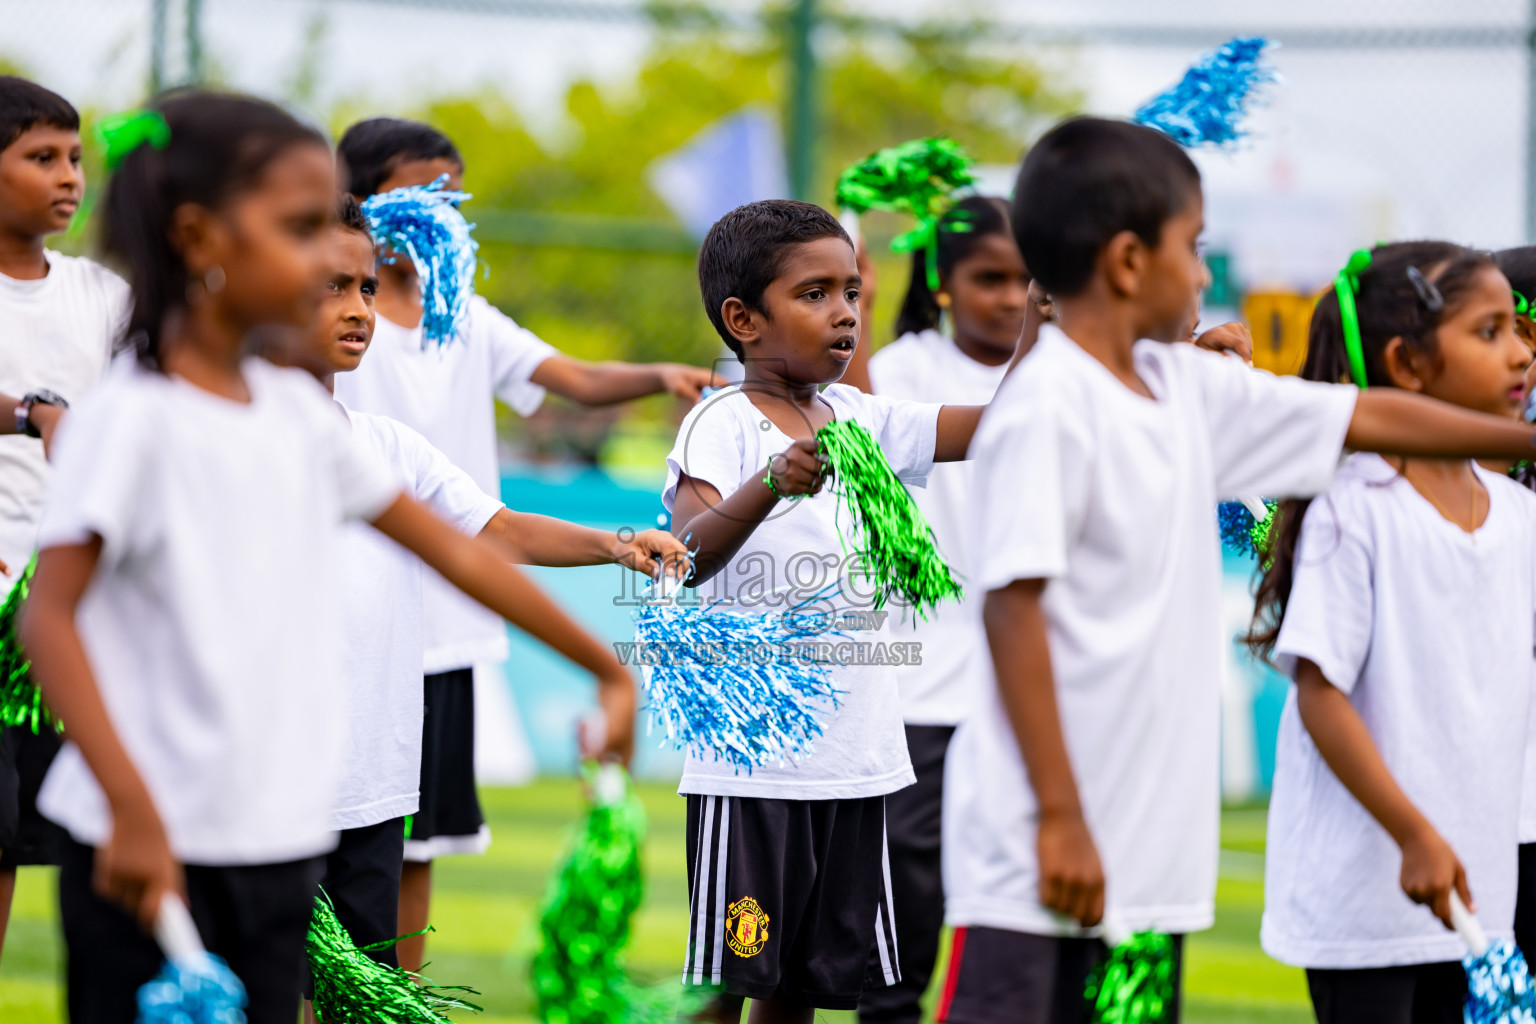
[1525,902]
[26,837]
[789,897]
[448,819]
[362,881]
[997,976]
[254,916]
[1416,994]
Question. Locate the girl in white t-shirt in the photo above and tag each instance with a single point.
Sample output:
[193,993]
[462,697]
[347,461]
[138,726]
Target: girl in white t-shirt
[183,622]
[1403,604]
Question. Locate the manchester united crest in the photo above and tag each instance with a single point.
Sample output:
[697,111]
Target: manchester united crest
[746,927]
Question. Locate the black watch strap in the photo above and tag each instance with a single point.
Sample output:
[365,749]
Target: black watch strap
[24,423]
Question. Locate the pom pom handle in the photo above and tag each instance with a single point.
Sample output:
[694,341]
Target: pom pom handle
[176,932]
[849,219]
[1256,508]
[1468,927]
[1113,930]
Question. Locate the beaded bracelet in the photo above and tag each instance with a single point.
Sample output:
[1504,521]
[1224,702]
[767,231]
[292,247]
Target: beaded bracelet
[776,493]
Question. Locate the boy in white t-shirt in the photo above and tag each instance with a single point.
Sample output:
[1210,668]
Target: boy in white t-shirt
[381,600]
[1087,783]
[58,317]
[789,880]
[448,395]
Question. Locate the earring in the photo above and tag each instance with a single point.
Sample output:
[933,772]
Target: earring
[945,327]
[213,280]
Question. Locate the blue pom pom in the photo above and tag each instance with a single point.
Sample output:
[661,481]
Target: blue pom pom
[748,689]
[196,990]
[1499,987]
[1208,104]
[1236,525]
[424,223]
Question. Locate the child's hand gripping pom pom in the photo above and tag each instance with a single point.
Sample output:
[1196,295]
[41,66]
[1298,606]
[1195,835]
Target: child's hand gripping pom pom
[1245,525]
[353,988]
[20,702]
[424,223]
[1208,104]
[1498,980]
[194,986]
[1134,983]
[895,544]
[748,689]
[576,975]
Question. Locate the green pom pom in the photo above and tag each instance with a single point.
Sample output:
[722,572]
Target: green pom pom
[896,549]
[916,178]
[1261,531]
[20,703]
[1134,984]
[577,975]
[353,988]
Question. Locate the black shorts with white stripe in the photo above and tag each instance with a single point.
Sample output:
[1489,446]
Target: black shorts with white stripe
[790,897]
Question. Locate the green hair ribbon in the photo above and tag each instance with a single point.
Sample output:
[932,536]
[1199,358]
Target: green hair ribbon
[1522,304]
[916,178]
[123,133]
[1347,285]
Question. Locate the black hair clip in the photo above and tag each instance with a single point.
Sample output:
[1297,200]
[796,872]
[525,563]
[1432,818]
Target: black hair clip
[1428,293]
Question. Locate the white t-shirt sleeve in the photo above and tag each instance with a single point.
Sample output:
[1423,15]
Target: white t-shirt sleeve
[515,353]
[102,477]
[1329,613]
[446,489]
[907,431]
[710,448]
[1032,485]
[1271,436]
[365,483]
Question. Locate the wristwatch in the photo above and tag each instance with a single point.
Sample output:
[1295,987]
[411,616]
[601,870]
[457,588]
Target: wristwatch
[24,410]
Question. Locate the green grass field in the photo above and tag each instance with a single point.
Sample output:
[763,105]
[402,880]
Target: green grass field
[484,907]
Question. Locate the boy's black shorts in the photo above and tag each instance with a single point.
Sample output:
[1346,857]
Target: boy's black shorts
[254,916]
[997,976]
[362,881]
[790,896]
[448,819]
[26,837]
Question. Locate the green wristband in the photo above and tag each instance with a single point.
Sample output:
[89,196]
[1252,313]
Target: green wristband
[768,479]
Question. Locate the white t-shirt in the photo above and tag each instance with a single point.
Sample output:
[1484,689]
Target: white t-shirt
[1111,497]
[55,333]
[929,367]
[381,626]
[212,622]
[448,395]
[1429,631]
[791,556]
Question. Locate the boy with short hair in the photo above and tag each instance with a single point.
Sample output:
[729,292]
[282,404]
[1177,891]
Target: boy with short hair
[382,602]
[448,394]
[788,872]
[1087,783]
[59,316]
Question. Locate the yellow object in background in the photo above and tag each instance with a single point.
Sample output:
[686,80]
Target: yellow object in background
[1279,322]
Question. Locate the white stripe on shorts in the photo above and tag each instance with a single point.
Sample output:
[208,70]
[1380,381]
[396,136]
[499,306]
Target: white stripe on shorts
[885,917]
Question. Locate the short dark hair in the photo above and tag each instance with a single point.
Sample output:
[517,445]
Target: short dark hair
[349,214]
[372,149]
[25,104]
[746,249]
[1084,182]
[1519,265]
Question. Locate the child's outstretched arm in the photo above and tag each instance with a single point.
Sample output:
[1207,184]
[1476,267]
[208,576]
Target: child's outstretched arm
[1071,876]
[957,425]
[135,868]
[608,383]
[1395,422]
[528,539]
[1430,867]
[714,529]
[478,569]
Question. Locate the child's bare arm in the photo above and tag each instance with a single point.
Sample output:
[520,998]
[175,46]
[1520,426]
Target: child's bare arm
[480,571]
[1430,867]
[714,529]
[136,867]
[1395,422]
[529,539]
[608,383]
[957,425]
[1071,876]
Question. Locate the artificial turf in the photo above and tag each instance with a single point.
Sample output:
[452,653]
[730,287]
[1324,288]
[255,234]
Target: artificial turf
[483,909]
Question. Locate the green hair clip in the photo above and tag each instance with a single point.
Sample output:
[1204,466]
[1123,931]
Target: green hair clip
[1347,285]
[1522,304]
[123,133]
[917,178]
